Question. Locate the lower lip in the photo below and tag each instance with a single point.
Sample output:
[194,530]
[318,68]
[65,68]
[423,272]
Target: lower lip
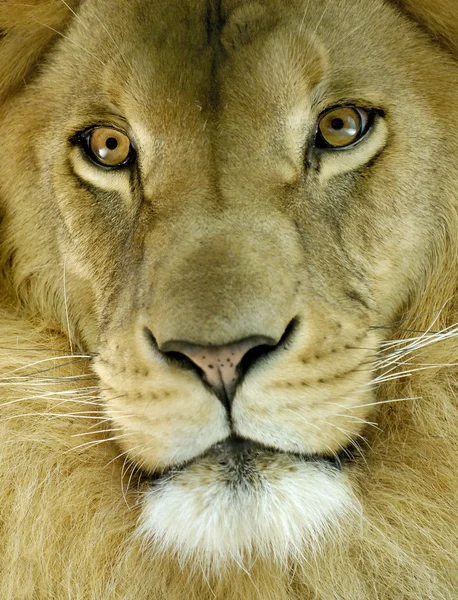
[240,453]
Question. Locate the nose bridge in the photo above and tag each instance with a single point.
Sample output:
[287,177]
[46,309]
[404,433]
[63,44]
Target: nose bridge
[224,280]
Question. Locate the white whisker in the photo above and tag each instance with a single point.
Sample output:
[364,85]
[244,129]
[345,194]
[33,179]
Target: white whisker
[98,442]
[383,402]
[65,292]
[65,37]
[49,414]
[123,453]
[74,358]
[96,432]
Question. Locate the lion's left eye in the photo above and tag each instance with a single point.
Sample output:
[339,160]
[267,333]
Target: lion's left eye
[342,126]
[107,146]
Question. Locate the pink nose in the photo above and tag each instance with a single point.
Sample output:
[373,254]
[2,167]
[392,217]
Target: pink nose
[219,364]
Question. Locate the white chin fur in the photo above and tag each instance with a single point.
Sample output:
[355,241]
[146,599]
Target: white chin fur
[215,513]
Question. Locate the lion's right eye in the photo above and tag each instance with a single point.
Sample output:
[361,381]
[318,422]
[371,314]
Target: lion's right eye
[107,147]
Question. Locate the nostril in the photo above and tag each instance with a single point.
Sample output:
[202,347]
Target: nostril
[171,356]
[221,367]
[150,338]
[264,350]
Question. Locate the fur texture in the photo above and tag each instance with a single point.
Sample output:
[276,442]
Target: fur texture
[116,481]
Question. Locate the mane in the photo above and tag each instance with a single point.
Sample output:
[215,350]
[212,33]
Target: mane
[27,32]
[73,501]
[438,17]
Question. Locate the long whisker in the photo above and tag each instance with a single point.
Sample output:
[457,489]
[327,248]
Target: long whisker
[87,355]
[401,374]
[382,402]
[65,37]
[77,17]
[428,330]
[95,432]
[351,435]
[98,442]
[426,338]
[409,318]
[65,294]
[75,358]
[59,401]
[123,453]
[125,61]
[359,420]
[124,492]
[51,414]
[39,381]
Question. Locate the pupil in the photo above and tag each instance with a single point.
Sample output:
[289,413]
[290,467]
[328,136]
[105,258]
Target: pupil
[111,143]
[337,124]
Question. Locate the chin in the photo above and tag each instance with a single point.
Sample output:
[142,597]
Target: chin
[240,501]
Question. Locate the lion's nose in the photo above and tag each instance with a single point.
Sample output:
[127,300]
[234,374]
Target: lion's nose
[220,366]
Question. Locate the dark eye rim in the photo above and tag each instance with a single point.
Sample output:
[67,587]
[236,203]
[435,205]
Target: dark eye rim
[82,139]
[321,144]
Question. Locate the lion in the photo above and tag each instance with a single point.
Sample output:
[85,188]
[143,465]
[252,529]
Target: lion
[228,249]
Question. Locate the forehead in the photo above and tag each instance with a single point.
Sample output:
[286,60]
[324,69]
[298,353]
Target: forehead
[192,49]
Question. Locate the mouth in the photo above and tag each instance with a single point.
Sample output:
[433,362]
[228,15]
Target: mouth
[240,500]
[242,460]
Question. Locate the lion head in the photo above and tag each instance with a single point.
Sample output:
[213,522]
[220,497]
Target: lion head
[232,206]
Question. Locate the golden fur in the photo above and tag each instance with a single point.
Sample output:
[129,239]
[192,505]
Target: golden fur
[222,189]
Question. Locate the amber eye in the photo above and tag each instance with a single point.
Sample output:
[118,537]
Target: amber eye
[342,126]
[107,146]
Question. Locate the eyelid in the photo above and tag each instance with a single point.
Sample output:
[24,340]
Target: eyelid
[83,133]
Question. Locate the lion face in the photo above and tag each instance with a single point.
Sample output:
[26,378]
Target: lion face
[236,204]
